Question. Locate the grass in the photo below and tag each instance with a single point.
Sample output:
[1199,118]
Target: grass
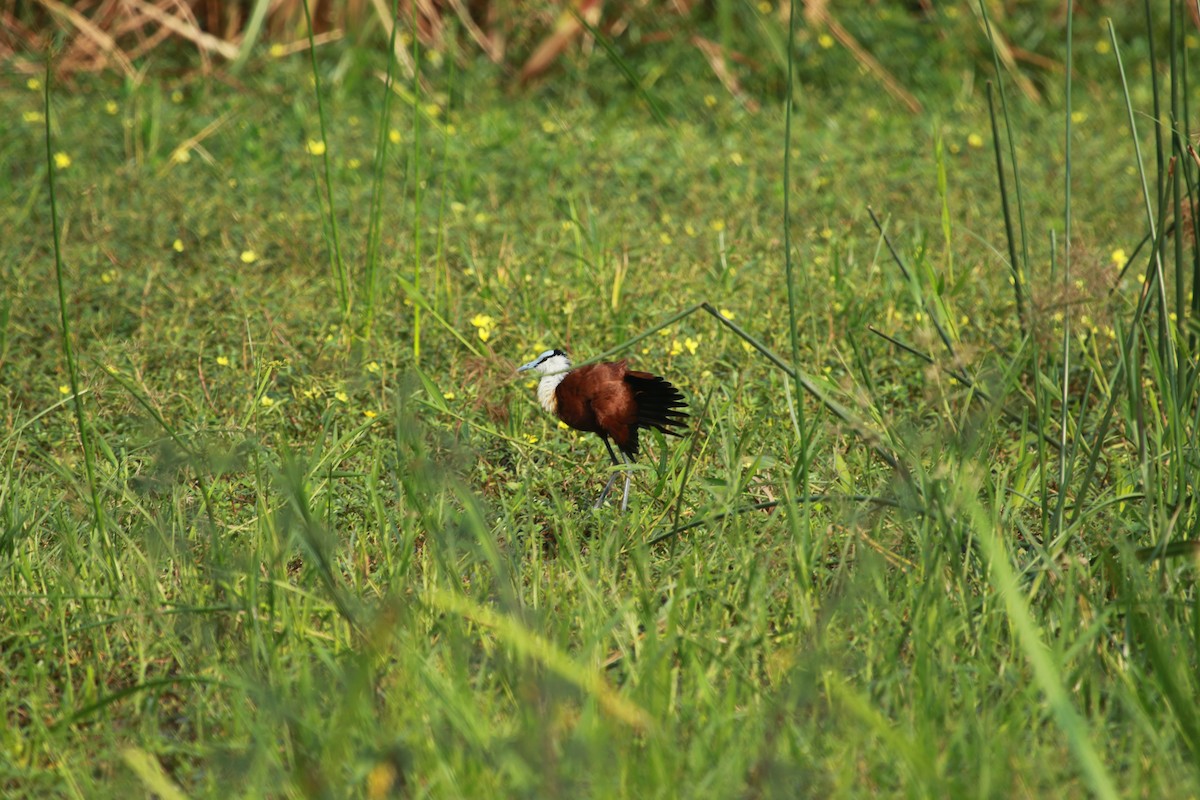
[354,557]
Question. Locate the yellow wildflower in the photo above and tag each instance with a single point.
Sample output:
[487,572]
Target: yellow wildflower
[62,160]
[484,325]
[249,256]
[315,147]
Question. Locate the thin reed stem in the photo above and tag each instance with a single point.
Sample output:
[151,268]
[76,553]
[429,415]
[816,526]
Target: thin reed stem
[337,264]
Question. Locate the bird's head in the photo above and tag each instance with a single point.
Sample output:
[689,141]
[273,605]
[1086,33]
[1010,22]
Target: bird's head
[550,362]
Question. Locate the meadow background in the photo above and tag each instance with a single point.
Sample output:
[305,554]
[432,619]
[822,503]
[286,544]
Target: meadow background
[278,519]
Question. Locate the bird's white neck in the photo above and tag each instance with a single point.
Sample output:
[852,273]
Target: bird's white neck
[546,391]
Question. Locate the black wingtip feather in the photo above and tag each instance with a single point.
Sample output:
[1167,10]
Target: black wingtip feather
[660,405]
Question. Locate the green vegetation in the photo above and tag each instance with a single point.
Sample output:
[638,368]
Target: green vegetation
[277,518]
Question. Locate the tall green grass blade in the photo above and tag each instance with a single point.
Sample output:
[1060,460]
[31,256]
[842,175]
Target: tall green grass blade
[99,523]
[1019,268]
[1047,674]
[1056,520]
[250,34]
[1166,345]
[415,162]
[539,649]
[1014,263]
[336,264]
[370,276]
[624,66]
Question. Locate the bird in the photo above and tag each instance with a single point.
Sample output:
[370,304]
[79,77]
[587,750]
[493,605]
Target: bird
[611,400]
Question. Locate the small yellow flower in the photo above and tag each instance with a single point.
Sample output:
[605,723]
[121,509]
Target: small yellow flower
[394,136]
[369,414]
[62,160]
[315,147]
[249,256]
[448,395]
[826,233]
[484,325]
[111,108]
[691,345]
[562,425]
[974,140]
[177,245]
[1103,46]
[1118,256]
[266,401]
[548,126]
[717,225]
[341,396]
[108,276]
[1141,278]
[176,97]
[457,207]
[481,218]
[664,237]
[529,437]
[736,158]
[277,51]
[764,7]
[64,389]
[1078,116]
[710,100]
[33,117]
[354,163]
[825,40]
[222,361]
[34,84]
[181,155]
[373,367]
[433,109]
[676,347]
[688,229]
[725,312]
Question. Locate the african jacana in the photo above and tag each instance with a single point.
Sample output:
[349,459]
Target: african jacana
[608,399]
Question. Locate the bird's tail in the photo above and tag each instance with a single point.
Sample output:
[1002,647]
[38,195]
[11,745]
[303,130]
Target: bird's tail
[659,403]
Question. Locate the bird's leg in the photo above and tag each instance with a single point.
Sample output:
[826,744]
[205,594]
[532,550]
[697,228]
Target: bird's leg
[612,479]
[625,498]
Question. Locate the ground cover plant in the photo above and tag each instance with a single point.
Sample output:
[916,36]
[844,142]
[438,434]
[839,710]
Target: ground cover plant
[279,519]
